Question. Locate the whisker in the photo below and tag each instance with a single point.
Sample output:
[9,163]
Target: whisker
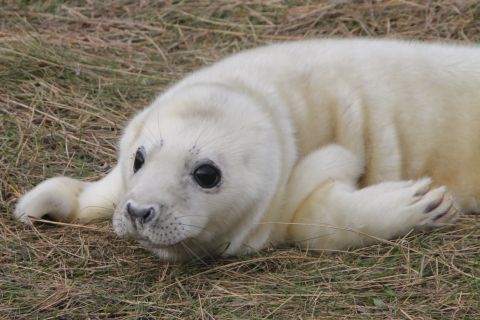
[191,225]
[230,134]
[204,129]
[193,253]
[153,136]
[202,248]
[227,245]
[192,215]
[159,131]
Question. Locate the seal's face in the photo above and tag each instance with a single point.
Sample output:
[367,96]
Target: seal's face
[196,174]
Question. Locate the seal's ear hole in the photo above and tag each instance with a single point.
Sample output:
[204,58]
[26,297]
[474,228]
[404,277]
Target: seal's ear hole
[207,176]
[139,159]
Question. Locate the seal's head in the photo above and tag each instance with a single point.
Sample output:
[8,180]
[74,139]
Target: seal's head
[199,168]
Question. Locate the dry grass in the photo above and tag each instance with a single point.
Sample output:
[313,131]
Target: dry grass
[71,73]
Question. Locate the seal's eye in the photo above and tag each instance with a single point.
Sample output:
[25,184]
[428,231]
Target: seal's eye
[207,176]
[139,159]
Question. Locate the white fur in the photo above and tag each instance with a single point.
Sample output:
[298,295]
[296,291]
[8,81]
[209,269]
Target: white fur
[314,140]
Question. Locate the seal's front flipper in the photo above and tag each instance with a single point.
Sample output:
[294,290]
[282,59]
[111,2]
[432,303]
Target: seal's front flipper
[65,199]
[334,214]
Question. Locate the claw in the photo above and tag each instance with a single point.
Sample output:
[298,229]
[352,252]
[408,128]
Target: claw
[433,205]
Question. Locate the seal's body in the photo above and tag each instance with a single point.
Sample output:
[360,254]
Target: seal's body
[328,143]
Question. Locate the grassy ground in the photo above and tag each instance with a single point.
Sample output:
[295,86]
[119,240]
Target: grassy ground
[71,73]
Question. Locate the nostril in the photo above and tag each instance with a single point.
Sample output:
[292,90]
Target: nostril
[130,211]
[148,213]
[138,212]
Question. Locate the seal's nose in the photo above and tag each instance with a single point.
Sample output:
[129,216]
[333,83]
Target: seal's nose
[139,212]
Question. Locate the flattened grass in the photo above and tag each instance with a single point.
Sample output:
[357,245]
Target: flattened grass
[72,73]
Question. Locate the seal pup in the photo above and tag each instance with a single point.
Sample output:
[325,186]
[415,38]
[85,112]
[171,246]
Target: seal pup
[330,144]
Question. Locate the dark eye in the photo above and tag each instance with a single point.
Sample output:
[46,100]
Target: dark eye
[207,176]
[139,159]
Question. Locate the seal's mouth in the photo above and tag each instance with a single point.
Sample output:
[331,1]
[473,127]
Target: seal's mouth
[147,242]
[158,230]
[180,250]
[152,245]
